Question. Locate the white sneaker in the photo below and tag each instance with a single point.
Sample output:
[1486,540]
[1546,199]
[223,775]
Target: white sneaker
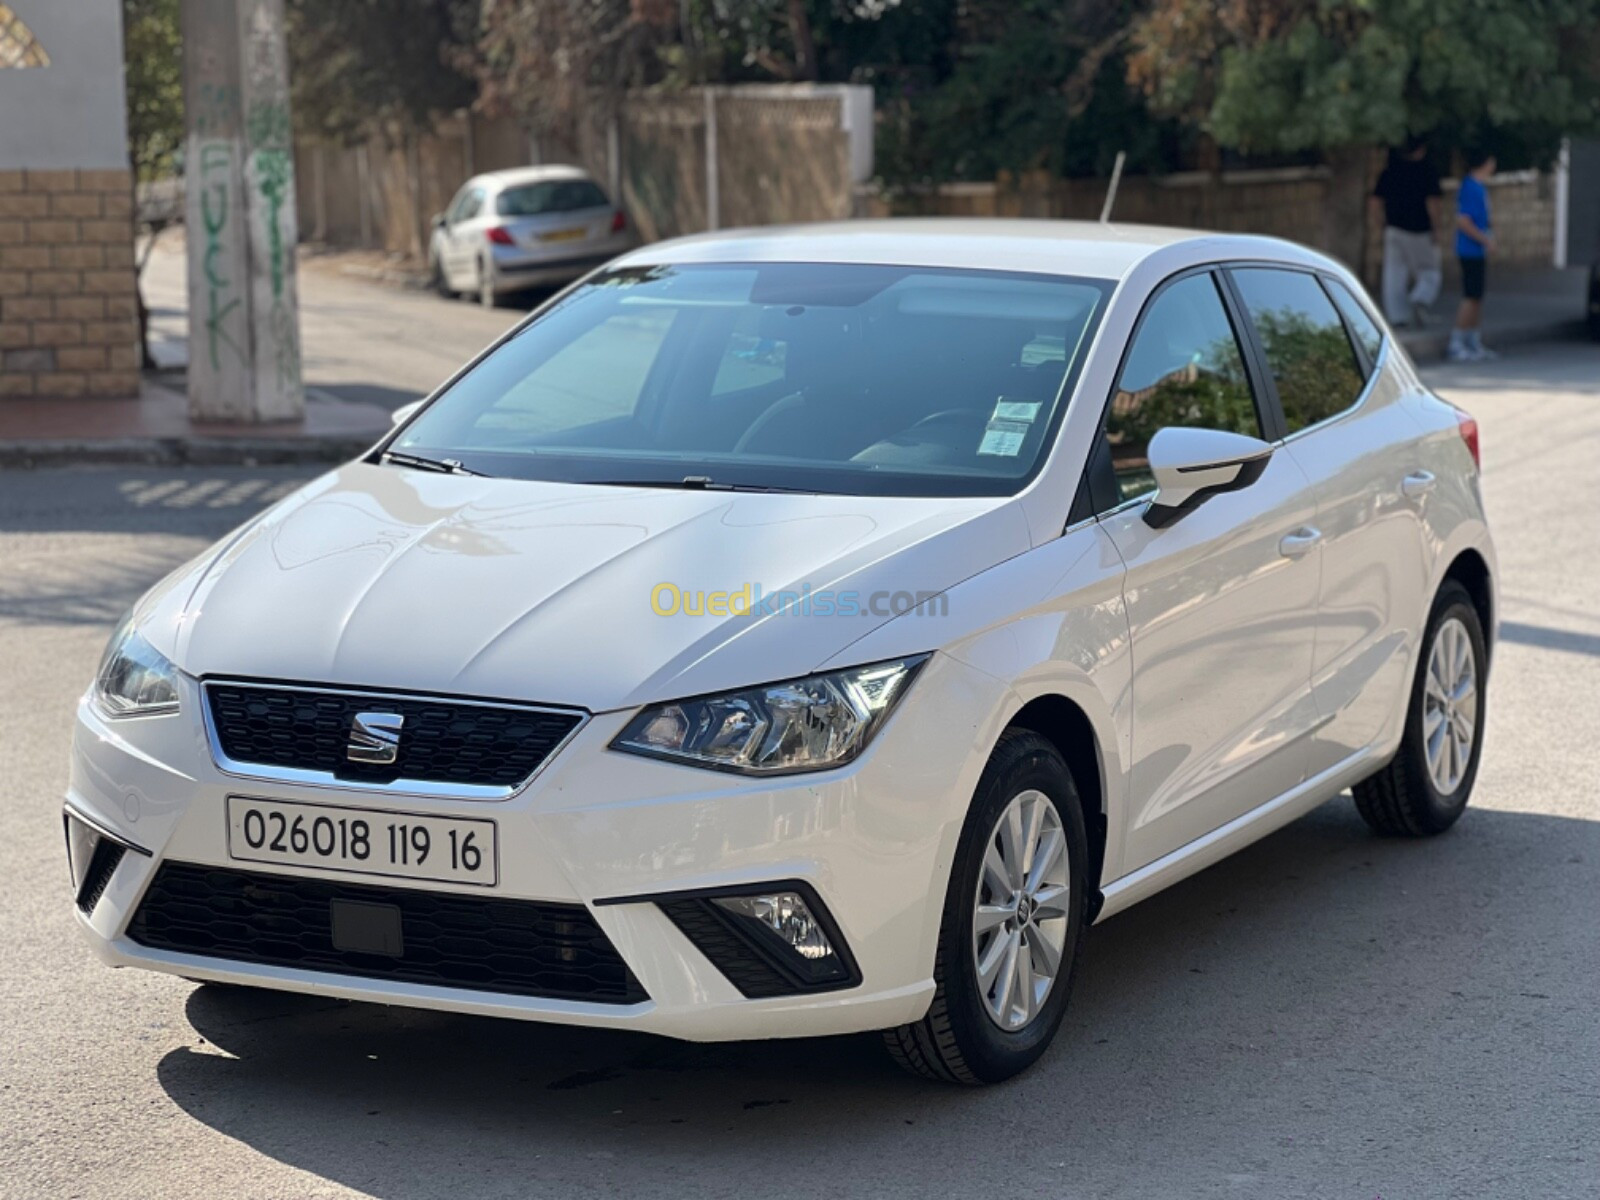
[1482,353]
[1456,352]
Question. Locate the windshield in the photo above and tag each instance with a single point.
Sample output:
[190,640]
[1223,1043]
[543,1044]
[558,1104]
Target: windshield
[552,196]
[864,380]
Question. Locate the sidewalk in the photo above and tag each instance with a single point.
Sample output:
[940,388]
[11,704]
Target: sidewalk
[1521,306]
[155,429]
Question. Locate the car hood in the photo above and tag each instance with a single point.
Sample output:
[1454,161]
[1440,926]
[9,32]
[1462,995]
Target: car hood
[391,578]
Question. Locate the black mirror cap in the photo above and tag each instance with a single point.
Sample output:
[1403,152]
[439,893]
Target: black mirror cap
[1159,516]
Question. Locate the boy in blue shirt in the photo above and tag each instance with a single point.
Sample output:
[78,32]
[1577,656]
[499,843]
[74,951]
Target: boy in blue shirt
[1474,242]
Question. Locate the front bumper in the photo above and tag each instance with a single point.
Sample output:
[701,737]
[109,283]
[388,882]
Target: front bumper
[873,840]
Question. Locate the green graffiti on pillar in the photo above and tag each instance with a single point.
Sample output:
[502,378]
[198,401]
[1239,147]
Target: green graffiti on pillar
[268,130]
[215,176]
[272,179]
[268,125]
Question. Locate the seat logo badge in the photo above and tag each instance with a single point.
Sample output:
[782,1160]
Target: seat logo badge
[374,738]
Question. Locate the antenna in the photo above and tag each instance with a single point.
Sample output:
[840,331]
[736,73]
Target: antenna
[1111,192]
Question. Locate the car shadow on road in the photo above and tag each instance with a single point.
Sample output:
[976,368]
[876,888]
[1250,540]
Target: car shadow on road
[1320,969]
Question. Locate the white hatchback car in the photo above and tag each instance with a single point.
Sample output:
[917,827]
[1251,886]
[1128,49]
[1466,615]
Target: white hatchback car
[806,631]
[529,227]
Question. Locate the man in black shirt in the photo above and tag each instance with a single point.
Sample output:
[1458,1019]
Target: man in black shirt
[1409,192]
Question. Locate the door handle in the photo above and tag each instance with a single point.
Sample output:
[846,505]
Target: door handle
[1302,541]
[1418,483]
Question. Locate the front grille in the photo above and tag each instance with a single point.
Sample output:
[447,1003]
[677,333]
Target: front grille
[519,947]
[441,741]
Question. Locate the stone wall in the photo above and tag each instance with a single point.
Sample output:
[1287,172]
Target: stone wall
[68,315]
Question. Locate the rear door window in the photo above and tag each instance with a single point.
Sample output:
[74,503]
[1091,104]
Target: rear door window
[1307,349]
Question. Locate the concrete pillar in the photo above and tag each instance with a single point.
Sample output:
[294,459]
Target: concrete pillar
[244,315]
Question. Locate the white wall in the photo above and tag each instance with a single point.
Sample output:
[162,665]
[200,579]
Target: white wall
[69,114]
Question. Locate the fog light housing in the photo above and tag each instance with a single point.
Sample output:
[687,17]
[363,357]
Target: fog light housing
[786,919]
[769,940]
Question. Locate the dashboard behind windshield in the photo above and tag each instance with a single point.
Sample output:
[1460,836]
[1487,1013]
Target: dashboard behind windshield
[852,379]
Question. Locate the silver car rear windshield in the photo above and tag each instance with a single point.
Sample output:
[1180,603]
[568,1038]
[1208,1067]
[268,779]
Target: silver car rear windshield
[550,196]
[848,379]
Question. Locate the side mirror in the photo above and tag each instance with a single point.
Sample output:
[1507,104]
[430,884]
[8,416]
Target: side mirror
[1192,464]
[437,220]
[404,413]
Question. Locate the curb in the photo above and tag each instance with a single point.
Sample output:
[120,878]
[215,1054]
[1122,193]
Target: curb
[181,452]
[1428,345]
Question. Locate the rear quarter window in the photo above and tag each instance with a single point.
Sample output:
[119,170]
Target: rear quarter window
[1362,325]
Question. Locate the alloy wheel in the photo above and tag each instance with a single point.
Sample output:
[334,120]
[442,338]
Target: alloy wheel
[1019,923]
[1450,706]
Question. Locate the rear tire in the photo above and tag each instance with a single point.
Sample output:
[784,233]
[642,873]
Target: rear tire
[977,1032]
[1424,789]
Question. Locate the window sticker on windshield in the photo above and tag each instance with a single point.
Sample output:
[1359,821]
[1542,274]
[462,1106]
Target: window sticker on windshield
[1003,438]
[1008,427]
[1015,410]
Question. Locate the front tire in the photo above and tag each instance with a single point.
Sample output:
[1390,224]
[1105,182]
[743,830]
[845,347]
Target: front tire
[1013,925]
[441,283]
[1424,789]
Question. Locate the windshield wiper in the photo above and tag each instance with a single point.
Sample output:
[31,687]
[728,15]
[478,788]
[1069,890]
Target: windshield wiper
[445,466]
[700,483]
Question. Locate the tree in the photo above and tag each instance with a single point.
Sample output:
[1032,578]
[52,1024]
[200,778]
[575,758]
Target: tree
[364,67]
[359,68]
[1013,86]
[153,69]
[1344,76]
[544,61]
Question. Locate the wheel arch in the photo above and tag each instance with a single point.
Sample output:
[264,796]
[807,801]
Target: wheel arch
[1067,727]
[1471,570]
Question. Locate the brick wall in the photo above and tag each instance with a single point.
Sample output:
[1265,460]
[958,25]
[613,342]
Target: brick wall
[68,315]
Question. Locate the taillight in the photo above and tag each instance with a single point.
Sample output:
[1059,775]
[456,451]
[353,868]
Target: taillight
[500,237]
[619,221]
[1469,435]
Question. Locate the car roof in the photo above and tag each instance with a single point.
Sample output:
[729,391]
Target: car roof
[516,176]
[1081,248]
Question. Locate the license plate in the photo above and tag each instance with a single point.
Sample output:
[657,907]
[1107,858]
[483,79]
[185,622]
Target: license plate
[562,235]
[363,841]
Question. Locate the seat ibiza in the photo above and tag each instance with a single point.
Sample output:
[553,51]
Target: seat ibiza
[805,631]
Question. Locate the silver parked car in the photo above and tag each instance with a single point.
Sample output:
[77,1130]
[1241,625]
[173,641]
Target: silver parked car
[528,227]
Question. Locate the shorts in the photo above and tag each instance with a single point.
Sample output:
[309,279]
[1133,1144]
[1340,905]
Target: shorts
[1474,274]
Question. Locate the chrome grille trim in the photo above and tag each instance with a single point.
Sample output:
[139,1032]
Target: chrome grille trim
[427,788]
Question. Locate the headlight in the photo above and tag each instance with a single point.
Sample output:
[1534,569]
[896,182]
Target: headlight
[805,724]
[135,680]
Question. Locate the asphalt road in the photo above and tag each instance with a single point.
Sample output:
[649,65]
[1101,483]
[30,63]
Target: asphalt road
[1326,1014]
